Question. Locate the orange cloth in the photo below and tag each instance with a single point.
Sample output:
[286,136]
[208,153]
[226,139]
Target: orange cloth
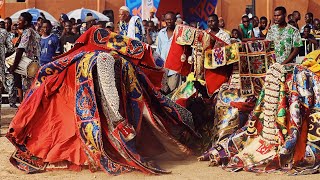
[52,112]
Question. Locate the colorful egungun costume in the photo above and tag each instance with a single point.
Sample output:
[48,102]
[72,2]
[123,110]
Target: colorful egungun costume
[98,105]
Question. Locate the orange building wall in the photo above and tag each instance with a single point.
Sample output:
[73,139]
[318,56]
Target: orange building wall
[230,10]
[56,7]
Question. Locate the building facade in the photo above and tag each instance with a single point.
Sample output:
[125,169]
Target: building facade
[230,10]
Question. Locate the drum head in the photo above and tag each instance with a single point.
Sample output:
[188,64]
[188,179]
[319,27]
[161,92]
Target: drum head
[32,69]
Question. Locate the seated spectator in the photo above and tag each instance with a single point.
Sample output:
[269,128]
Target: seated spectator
[246,28]
[49,43]
[235,36]
[310,39]
[316,28]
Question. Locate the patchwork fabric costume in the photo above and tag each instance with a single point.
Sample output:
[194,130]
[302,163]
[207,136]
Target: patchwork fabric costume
[99,105]
[280,132]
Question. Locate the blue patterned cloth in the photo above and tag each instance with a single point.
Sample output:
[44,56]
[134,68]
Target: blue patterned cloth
[124,28]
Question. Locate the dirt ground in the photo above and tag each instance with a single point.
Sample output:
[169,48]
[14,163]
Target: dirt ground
[189,168]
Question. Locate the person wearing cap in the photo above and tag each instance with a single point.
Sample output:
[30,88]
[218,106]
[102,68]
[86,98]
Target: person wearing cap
[58,30]
[130,26]
[153,17]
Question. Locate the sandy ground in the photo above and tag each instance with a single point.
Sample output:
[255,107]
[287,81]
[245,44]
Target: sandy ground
[189,168]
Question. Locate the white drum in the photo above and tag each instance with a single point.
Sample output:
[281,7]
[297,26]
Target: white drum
[26,67]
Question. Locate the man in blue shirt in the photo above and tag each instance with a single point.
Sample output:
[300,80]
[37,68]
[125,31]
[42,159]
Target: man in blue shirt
[172,79]
[50,44]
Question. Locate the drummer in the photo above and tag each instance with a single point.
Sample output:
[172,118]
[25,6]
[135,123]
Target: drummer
[29,43]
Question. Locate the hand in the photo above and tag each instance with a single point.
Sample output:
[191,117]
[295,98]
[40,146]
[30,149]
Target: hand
[148,30]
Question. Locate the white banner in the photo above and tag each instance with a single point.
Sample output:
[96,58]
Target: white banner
[146,7]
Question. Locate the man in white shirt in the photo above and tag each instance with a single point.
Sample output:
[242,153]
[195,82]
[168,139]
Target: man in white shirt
[213,24]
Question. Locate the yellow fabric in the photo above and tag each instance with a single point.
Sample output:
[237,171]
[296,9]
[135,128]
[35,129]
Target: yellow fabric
[312,61]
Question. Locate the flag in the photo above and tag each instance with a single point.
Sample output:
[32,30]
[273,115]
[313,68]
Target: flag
[142,7]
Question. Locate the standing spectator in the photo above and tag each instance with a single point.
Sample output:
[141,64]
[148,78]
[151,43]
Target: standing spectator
[90,21]
[15,30]
[75,29]
[145,24]
[130,26]
[246,28]
[49,43]
[6,79]
[8,26]
[293,23]
[38,25]
[309,21]
[310,39]
[296,17]
[9,81]
[73,21]
[69,38]
[248,13]
[17,77]
[256,29]
[79,21]
[316,28]
[163,22]
[213,24]
[172,80]
[153,17]
[2,25]
[222,25]
[29,44]
[151,33]
[290,17]
[286,38]
[58,30]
